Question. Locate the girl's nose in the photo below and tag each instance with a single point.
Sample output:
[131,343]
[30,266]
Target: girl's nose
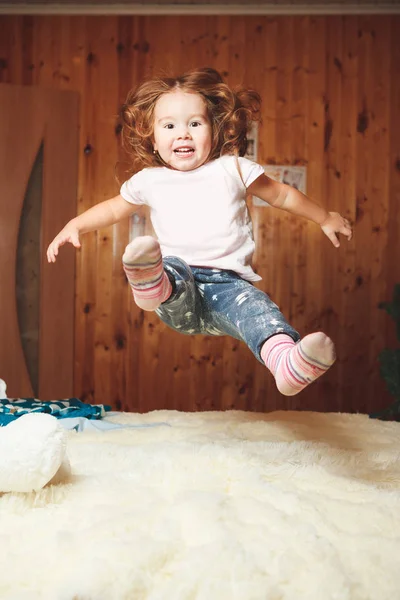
[183,133]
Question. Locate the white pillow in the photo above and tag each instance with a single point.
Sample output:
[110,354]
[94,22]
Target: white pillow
[3,388]
[32,450]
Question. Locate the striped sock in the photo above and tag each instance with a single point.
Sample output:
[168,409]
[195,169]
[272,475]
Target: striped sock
[296,365]
[144,270]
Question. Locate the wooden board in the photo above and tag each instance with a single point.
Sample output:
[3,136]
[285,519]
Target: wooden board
[49,118]
[330,88]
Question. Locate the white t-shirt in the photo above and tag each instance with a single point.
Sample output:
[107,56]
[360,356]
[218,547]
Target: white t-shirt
[201,216]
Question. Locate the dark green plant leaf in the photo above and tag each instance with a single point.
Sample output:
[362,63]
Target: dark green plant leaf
[390,362]
[391,413]
[393,308]
[390,370]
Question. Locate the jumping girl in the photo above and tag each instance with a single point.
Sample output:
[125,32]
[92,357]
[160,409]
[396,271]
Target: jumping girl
[188,136]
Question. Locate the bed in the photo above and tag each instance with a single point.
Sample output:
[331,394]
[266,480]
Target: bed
[216,505]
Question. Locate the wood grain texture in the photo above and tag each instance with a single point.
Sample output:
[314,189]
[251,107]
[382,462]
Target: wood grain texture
[330,88]
[32,116]
[57,289]
[17,155]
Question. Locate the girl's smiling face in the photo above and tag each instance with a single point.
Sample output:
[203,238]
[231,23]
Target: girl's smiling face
[182,130]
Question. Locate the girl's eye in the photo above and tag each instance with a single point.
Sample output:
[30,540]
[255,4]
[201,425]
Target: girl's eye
[168,126]
[195,123]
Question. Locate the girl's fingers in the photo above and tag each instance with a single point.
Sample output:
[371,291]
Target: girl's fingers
[75,241]
[347,230]
[52,251]
[333,237]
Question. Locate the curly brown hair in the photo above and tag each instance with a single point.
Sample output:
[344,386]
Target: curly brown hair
[230,113]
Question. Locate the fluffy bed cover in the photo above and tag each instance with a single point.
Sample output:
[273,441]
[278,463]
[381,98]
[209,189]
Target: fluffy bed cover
[213,506]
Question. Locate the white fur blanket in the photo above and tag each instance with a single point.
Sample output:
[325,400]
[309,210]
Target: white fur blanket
[213,506]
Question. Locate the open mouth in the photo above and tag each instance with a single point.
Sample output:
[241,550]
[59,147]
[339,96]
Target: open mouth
[184,151]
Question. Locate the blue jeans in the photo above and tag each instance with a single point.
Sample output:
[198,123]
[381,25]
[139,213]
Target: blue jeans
[217,302]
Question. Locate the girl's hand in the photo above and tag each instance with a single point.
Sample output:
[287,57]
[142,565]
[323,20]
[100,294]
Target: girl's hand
[334,224]
[70,234]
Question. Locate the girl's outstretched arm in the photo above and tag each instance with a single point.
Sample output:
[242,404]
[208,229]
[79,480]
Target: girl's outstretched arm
[290,199]
[101,215]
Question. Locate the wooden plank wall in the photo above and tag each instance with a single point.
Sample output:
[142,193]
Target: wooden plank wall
[330,87]
[36,304]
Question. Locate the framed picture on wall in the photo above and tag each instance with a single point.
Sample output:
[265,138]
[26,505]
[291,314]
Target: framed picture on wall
[252,142]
